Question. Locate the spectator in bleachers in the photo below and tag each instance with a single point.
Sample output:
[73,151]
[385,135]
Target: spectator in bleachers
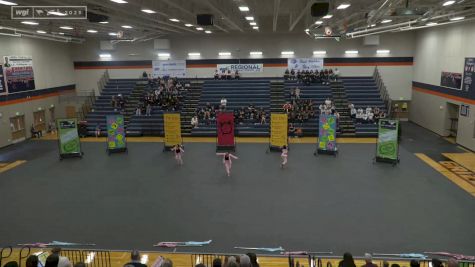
[437,263]
[336,74]
[253,258]
[228,75]
[292,74]
[194,121]
[135,260]
[217,262]
[347,261]
[385,263]
[244,261]
[223,103]
[144,75]
[236,75]
[63,261]
[52,260]
[414,263]
[287,107]
[216,75]
[32,261]
[11,264]
[369,261]
[452,263]
[287,75]
[138,110]
[97,131]
[148,111]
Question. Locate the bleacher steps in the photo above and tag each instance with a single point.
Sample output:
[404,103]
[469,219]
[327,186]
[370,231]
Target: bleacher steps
[189,106]
[347,127]
[277,96]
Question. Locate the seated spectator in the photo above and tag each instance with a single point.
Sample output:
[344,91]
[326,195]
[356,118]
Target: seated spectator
[336,74]
[451,263]
[52,260]
[194,121]
[32,261]
[35,133]
[97,131]
[287,74]
[297,93]
[244,261]
[263,118]
[253,258]
[223,102]
[347,261]
[292,74]
[287,107]
[217,262]
[144,75]
[138,110]
[371,117]
[135,260]
[228,75]
[236,75]
[216,75]
[369,261]
[415,263]
[352,111]
[148,111]
[437,263]
[11,264]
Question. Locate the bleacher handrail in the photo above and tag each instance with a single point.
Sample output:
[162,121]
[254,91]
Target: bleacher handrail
[103,81]
[382,90]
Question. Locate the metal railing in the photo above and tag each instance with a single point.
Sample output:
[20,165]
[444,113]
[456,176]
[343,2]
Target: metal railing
[103,81]
[84,102]
[382,90]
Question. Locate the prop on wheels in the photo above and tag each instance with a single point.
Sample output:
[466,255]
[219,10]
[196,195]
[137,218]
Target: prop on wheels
[326,143]
[115,134]
[225,132]
[55,244]
[182,244]
[278,132]
[403,255]
[172,131]
[68,138]
[278,249]
[387,147]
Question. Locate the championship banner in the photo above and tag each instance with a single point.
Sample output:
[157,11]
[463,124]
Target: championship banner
[327,133]
[172,125]
[115,132]
[19,73]
[387,139]
[3,89]
[469,77]
[278,130]
[241,68]
[170,68]
[300,64]
[225,127]
[68,136]
[451,80]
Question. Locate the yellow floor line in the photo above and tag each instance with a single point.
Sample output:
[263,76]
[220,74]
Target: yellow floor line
[448,174]
[261,140]
[12,165]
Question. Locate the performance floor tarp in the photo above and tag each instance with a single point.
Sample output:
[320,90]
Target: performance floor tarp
[323,203]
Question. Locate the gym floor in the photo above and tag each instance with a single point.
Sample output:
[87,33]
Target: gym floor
[323,203]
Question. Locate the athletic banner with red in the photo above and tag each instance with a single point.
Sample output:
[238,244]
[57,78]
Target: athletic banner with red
[225,128]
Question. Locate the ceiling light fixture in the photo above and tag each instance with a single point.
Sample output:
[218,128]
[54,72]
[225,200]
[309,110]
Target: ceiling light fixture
[384,51]
[175,20]
[351,52]
[457,18]
[343,6]
[163,54]
[194,54]
[249,18]
[208,32]
[287,53]
[119,1]
[66,28]
[329,16]
[318,22]
[431,24]
[113,34]
[255,53]
[91,31]
[224,53]
[244,8]
[448,3]
[252,23]
[103,22]
[199,29]
[189,25]
[255,28]
[321,52]
[148,11]
[386,21]
[126,26]
[8,3]
[105,55]
[39,31]
[61,33]
[29,22]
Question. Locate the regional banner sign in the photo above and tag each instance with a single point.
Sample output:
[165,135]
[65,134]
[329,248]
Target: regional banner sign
[300,64]
[278,129]
[172,125]
[19,73]
[225,127]
[242,68]
[115,132]
[387,139]
[68,136]
[3,89]
[170,68]
[469,76]
[327,132]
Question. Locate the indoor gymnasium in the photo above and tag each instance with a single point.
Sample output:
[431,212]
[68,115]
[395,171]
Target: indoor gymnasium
[237,133]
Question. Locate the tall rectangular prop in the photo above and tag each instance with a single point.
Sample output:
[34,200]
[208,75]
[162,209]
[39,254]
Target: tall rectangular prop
[115,132]
[68,136]
[278,129]
[172,125]
[387,147]
[225,129]
[327,133]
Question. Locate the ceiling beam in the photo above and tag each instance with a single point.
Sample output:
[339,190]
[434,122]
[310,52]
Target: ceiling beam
[299,17]
[276,14]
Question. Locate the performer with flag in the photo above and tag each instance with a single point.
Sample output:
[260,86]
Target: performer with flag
[284,156]
[178,150]
[227,161]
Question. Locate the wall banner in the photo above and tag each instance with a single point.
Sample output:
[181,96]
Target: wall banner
[451,80]
[241,68]
[278,129]
[115,132]
[469,76]
[170,68]
[327,133]
[225,128]
[172,126]
[387,145]
[3,89]
[299,64]
[68,136]
[19,73]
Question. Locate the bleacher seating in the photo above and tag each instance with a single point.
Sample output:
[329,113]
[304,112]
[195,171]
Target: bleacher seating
[239,93]
[315,92]
[103,106]
[363,92]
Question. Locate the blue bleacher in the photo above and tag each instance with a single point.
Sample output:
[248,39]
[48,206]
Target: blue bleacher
[363,92]
[238,93]
[103,107]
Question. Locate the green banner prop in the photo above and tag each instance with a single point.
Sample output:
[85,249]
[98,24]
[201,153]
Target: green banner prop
[68,136]
[387,147]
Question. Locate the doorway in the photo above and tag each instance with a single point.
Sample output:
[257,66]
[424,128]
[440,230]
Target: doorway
[17,126]
[452,119]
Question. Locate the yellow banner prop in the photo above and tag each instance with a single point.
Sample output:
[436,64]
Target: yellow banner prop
[278,129]
[172,129]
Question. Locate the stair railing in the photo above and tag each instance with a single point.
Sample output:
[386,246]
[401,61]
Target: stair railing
[382,90]
[103,81]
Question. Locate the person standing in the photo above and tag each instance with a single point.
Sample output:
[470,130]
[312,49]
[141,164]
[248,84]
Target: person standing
[284,156]
[227,161]
[178,150]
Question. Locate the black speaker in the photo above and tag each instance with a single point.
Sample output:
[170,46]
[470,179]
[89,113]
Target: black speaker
[204,19]
[320,9]
[93,17]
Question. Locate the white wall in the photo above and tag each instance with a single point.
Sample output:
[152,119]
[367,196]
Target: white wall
[442,49]
[52,61]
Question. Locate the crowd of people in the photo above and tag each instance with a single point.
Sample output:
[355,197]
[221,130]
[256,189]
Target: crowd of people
[328,108]
[368,115]
[168,94]
[323,76]
[226,75]
[118,102]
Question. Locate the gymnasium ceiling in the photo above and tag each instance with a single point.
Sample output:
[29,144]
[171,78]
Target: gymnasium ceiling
[271,16]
